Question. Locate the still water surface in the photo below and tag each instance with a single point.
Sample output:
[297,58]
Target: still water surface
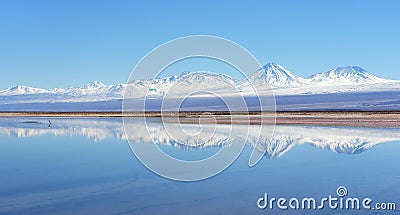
[86,166]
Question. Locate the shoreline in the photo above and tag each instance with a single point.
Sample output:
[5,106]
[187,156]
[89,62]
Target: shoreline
[381,119]
[187,113]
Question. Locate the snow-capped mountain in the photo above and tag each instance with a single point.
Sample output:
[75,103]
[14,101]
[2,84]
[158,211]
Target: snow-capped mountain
[276,75]
[177,85]
[94,85]
[200,83]
[22,90]
[346,75]
[338,80]
[206,80]
[350,79]
[97,91]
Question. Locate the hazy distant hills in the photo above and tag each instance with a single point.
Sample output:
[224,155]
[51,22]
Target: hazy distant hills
[348,87]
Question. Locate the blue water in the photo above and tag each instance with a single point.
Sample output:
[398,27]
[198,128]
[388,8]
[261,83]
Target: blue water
[59,171]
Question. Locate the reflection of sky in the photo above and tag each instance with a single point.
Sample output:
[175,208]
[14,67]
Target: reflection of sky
[44,174]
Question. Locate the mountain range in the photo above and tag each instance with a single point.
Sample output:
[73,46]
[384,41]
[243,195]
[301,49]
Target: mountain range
[339,81]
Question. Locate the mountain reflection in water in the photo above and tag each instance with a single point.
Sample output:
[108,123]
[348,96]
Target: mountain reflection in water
[337,139]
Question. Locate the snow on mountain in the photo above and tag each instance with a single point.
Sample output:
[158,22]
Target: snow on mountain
[22,90]
[345,75]
[177,85]
[117,89]
[276,75]
[339,80]
[147,88]
[200,83]
[206,80]
[94,85]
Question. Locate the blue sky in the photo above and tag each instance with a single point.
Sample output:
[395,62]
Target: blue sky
[69,43]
